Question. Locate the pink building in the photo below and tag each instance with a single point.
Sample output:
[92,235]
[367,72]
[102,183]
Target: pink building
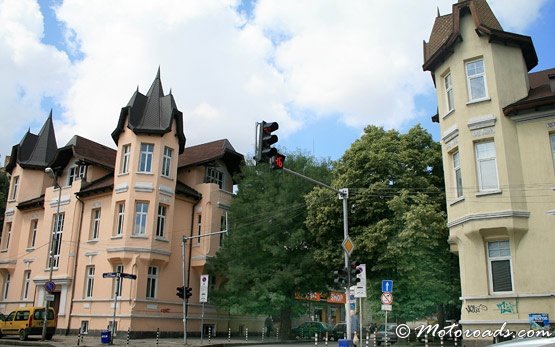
[118,210]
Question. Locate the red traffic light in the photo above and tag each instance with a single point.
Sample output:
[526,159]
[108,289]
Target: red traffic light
[277,161]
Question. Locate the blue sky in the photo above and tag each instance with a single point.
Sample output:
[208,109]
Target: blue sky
[323,70]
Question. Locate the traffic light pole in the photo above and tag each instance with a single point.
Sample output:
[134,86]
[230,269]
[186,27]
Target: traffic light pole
[343,195]
[184,240]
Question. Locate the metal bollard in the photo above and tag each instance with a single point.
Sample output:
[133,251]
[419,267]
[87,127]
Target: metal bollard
[229,335]
[127,340]
[246,334]
[157,335]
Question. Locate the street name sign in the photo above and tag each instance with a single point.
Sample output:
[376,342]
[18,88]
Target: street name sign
[119,275]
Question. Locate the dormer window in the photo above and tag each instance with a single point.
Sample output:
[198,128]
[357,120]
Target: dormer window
[145,161]
[76,172]
[214,175]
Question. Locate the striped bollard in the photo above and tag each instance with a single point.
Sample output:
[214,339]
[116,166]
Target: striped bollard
[367,338]
[78,337]
[229,335]
[426,340]
[209,334]
[263,331]
[246,334]
[315,339]
[277,333]
[441,340]
[455,340]
[375,339]
[127,340]
[326,340]
[157,336]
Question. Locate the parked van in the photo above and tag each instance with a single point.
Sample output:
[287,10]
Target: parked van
[27,321]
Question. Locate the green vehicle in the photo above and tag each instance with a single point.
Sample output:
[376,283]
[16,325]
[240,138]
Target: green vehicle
[308,330]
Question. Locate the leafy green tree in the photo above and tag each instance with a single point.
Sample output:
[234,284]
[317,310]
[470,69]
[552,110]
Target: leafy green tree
[4,187]
[397,220]
[267,257]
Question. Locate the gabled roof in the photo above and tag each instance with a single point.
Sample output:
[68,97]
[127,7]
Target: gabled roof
[212,151]
[152,113]
[87,151]
[541,93]
[446,33]
[35,151]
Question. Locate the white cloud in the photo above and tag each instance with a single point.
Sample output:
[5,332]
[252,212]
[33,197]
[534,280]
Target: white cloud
[30,71]
[292,61]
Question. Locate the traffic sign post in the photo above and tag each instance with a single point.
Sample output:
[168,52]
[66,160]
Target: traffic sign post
[119,276]
[387,286]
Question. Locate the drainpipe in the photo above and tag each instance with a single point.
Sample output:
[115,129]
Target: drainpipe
[75,264]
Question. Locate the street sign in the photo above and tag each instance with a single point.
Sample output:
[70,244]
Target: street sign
[203,288]
[50,286]
[387,298]
[387,286]
[119,275]
[386,307]
[49,297]
[130,276]
[348,245]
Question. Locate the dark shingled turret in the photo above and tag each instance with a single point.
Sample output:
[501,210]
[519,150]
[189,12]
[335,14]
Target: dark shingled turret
[152,113]
[35,151]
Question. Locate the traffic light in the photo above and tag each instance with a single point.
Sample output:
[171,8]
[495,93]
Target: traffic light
[340,277]
[264,150]
[180,292]
[277,161]
[188,292]
[355,271]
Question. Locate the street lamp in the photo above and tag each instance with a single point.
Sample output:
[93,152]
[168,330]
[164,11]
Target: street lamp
[54,175]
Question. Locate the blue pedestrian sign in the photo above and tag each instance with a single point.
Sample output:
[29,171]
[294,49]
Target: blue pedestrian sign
[387,286]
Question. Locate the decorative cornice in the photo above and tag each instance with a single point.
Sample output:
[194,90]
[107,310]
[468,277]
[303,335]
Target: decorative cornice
[138,250]
[450,133]
[121,188]
[166,190]
[146,187]
[482,122]
[488,215]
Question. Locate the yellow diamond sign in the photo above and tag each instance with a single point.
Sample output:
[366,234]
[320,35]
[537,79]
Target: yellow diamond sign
[348,246]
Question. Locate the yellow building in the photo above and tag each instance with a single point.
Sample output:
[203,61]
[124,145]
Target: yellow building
[124,210]
[497,124]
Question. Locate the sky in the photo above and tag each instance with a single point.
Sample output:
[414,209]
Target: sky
[323,70]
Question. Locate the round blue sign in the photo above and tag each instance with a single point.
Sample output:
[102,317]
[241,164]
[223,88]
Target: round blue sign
[50,286]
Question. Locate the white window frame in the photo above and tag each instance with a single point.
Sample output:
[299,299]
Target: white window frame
[199,227]
[499,258]
[480,169]
[457,174]
[76,172]
[95,223]
[473,76]
[8,234]
[15,186]
[167,162]
[33,233]
[449,96]
[89,281]
[213,175]
[26,284]
[125,158]
[161,220]
[151,282]
[58,221]
[6,287]
[141,215]
[145,159]
[120,219]
[84,328]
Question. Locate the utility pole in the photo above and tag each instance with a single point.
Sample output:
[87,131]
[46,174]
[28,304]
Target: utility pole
[184,240]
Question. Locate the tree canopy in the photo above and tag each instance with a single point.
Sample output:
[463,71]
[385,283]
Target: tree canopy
[396,220]
[267,257]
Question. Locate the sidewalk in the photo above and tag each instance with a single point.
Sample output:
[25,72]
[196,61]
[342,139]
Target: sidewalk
[90,341]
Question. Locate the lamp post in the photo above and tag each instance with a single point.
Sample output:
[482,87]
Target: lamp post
[54,175]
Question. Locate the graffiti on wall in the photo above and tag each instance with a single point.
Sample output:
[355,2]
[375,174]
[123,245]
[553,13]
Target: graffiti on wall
[476,308]
[506,307]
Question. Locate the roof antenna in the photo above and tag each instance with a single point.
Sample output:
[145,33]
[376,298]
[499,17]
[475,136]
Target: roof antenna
[438,14]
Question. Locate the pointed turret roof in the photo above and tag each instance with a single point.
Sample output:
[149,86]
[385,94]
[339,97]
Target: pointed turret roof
[446,33]
[152,113]
[35,151]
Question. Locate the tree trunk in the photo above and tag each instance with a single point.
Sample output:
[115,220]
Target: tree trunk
[285,324]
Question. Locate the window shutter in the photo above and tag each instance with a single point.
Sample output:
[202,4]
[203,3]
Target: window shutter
[501,275]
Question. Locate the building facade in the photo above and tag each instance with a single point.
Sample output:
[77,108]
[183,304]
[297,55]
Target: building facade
[497,124]
[124,210]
